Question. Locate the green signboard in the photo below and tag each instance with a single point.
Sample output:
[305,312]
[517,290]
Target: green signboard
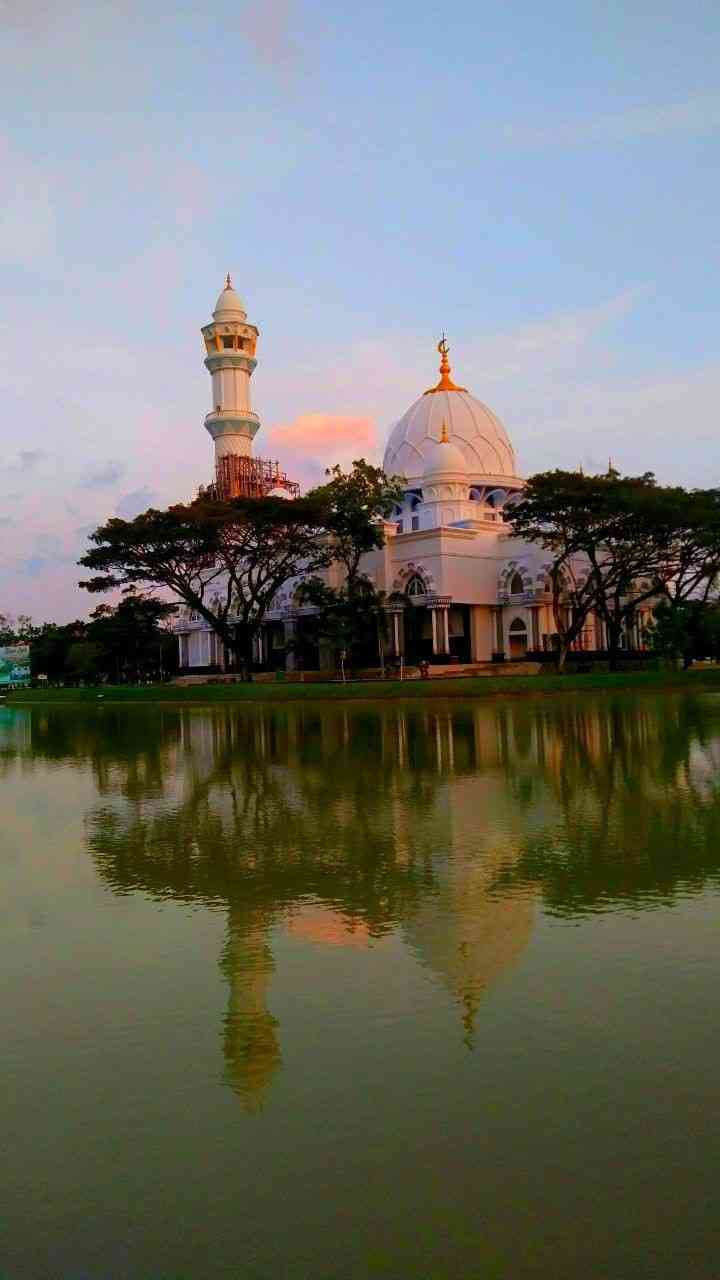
[14,664]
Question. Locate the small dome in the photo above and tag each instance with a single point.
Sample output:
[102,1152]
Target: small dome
[442,457]
[229,305]
[279,492]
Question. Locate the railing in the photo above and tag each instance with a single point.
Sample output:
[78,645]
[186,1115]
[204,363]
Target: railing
[232,413]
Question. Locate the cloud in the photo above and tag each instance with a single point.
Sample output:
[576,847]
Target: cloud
[698,114]
[29,458]
[6,522]
[32,566]
[314,441]
[267,29]
[132,504]
[102,475]
[550,343]
[316,433]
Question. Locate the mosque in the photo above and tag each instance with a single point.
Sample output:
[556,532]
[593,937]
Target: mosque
[473,593]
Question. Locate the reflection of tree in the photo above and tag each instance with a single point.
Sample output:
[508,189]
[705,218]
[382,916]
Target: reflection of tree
[131,750]
[637,785]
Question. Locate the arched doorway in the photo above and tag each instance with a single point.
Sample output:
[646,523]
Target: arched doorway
[518,638]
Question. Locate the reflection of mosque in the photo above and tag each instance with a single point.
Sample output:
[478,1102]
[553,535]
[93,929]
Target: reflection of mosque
[439,825]
[431,873]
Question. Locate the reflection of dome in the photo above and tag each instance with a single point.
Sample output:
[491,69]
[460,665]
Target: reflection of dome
[229,305]
[465,932]
[472,428]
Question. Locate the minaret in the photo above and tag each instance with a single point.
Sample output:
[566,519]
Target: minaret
[230,342]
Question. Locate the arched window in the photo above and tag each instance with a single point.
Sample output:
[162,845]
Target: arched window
[517,586]
[517,626]
[416,586]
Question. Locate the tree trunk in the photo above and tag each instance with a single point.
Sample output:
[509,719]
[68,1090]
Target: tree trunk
[614,630]
[242,642]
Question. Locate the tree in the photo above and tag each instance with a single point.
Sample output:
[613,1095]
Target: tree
[226,560]
[20,630]
[229,560]
[352,616]
[690,580]
[84,661]
[588,525]
[357,502]
[7,629]
[50,649]
[616,542]
[133,638]
[686,629]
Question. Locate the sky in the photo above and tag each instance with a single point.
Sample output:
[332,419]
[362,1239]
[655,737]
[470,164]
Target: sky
[539,181]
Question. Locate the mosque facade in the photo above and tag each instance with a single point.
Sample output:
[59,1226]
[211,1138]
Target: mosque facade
[468,591]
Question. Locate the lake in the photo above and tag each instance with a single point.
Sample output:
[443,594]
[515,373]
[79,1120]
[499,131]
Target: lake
[395,990]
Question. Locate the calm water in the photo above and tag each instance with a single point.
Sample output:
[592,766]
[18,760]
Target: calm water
[313,992]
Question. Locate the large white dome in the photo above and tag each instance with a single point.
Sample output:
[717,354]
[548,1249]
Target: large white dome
[471,427]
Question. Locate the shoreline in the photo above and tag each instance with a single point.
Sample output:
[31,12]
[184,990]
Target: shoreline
[470,688]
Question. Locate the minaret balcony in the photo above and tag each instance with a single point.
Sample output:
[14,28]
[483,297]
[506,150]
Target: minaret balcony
[229,422]
[230,360]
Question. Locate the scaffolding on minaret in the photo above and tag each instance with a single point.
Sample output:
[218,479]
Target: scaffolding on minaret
[243,476]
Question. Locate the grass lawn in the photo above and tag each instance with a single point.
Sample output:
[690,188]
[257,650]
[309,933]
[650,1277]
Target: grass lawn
[457,687]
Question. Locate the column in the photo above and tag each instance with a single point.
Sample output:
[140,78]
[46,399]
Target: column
[290,629]
[433,616]
[396,633]
[535,626]
[499,639]
[445,628]
[482,633]
[258,646]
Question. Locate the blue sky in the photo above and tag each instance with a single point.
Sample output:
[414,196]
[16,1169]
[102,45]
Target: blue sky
[541,181]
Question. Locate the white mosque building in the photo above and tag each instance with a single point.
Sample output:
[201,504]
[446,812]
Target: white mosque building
[473,592]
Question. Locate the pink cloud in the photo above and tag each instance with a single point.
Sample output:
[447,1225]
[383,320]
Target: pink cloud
[325,437]
[315,441]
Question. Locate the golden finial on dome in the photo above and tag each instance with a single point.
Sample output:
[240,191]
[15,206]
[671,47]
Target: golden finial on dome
[446,383]
[228,281]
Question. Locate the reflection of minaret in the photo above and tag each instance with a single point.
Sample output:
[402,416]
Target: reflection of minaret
[252,1052]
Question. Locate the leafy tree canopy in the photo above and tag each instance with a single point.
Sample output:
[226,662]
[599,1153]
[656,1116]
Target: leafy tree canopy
[356,502]
[229,560]
[615,541]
